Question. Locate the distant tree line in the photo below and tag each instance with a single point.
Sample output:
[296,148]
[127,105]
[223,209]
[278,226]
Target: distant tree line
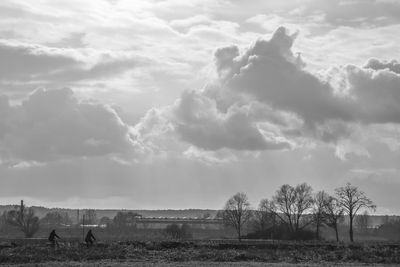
[26,221]
[294,210]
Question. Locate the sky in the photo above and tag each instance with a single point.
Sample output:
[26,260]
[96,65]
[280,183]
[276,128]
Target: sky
[157,104]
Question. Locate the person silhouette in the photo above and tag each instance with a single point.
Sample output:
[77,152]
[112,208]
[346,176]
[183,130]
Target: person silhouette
[89,238]
[52,238]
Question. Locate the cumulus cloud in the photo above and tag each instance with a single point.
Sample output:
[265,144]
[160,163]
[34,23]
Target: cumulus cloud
[199,122]
[376,94]
[270,73]
[264,99]
[195,120]
[377,64]
[54,124]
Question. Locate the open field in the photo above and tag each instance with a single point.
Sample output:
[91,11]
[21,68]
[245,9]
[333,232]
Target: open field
[110,234]
[219,253]
[108,263]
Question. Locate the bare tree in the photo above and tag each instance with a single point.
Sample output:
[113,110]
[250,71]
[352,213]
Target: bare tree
[237,212]
[352,200]
[320,201]
[264,216]
[24,219]
[333,214]
[292,203]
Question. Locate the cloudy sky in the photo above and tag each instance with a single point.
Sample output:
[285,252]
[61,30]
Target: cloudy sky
[179,104]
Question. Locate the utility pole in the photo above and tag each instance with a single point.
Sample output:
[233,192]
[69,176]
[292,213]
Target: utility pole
[21,211]
[83,228]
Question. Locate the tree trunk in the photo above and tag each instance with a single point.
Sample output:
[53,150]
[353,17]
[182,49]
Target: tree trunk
[351,228]
[317,231]
[239,235]
[337,233]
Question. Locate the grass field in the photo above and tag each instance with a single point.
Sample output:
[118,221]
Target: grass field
[108,263]
[188,253]
[111,234]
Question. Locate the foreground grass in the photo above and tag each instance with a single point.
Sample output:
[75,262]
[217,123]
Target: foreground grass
[187,264]
[207,253]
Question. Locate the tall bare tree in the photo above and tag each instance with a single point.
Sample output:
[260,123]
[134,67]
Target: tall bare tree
[237,212]
[23,218]
[333,214]
[264,216]
[291,204]
[320,201]
[353,200]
